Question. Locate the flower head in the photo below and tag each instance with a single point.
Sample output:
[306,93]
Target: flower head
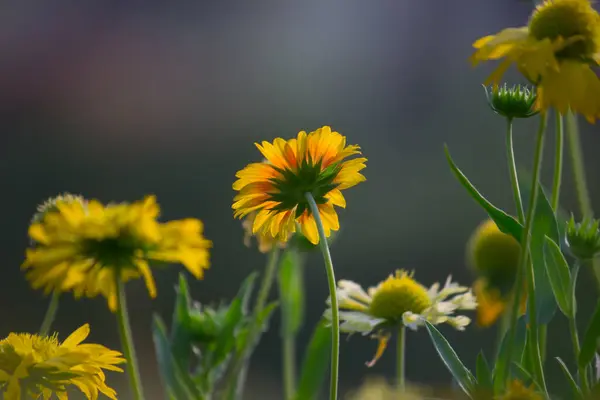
[86,247]
[515,102]
[40,366]
[312,163]
[518,391]
[400,300]
[583,238]
[494,256]
[51,205]
[556,52]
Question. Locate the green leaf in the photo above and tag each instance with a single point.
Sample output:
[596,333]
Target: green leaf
[544,224]
[316,363]
[484,375]
[238,308]
[180,326]
[503,357]
[559,276]
[178,383]
[524,376]
[460,373]
[291,293]
[590,339]
[573,288]
[576,391]
[505,222]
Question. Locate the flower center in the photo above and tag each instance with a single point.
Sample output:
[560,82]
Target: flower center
[397,295]
[118,252]
[568,19]
[308,178]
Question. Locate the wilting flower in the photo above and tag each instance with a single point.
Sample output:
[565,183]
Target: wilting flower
[494,256]
[311,163]
[33,366]
[518,391]
[265,242]
[85,247]
[400,300]
[556,51]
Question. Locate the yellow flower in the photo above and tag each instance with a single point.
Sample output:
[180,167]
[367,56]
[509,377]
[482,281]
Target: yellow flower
[50,205]
[380,389]
[86,247]
[311,163]
[494,256]
[556,51]
[265,242]
[518,391]
[399,300]
[40,366]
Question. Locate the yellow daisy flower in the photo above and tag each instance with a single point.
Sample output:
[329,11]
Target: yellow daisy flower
[33,366]
[265,242]
[400,300]
[518,391]
[311,163]
[85,247]
[556,51]
[494,256]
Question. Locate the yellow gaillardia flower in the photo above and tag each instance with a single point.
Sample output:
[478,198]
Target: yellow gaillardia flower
[33,366]
[51,204]
[85,247]
[494,256]
[311,163]
[400,300]
[556,51]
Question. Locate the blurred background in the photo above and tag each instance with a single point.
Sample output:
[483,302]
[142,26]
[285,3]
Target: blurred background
[115,100]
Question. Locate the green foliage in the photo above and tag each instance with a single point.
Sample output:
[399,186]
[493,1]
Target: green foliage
[291,292]
[202,341]
[560,278]
[460,373]
[504,357]
[590,339]
[316,363]
[575,390]
[484,375]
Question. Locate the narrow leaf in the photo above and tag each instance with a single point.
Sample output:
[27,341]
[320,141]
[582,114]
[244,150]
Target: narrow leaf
[559,276]
[590,339]
[576,391]
[291,293]
[524,376]
[505,222]
[178,383]
[463,376]
[573,288]
[484,375]
[316,363]
[503,357]
[180,327]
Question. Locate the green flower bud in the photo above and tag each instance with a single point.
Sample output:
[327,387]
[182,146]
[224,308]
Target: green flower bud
[583,238]
[515,102]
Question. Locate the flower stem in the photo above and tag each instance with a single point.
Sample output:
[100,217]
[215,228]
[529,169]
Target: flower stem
[50,314]
[578,167]
[127,342]
[400,357]
[525,262]
[576,351]
[512,168]
[335,318]
[558,161]
[241,358]
[289,366]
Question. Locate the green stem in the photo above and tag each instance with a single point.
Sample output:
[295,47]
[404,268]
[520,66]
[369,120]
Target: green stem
[50,314]
[400,357]
[241,358]
[127,342]
[576,351]
[578,167]
[512,169]
[335,318]
[525,265]
[558,161]
[289,366]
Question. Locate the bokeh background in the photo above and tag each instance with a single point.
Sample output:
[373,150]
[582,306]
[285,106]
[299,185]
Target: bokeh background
[115,100]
